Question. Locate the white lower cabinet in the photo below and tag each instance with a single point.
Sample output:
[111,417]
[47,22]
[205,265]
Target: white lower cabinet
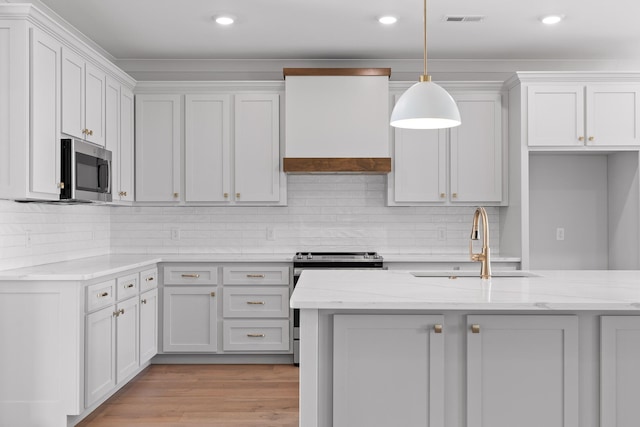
[619,371]
[522,371]
[190,319]
[388,370]
[100,345]
[121,332]
[148,325]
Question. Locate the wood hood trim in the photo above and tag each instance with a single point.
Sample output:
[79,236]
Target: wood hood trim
[336,72]
[365,165]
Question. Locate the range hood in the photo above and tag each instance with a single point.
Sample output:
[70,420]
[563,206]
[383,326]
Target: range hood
[337,120]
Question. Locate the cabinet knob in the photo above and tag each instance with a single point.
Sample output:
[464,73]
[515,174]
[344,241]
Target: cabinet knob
[103,294]
[437,329]
[442,195]
[61,185]
[149,279]
[84,131]
[581,138]
[237,195]
[475,329]
[144,301]
[226,195]
[591,138]
[129,286]
[176,195]
[90,132]
[454,195]
[213,294]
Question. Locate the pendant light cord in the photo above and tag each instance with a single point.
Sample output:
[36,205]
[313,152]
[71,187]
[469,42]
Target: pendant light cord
[425,77]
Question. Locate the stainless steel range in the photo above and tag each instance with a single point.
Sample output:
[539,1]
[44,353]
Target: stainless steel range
[327,261]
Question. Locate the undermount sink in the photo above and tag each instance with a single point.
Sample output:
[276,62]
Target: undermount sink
[469,273]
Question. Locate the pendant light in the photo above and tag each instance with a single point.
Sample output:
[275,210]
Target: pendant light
[425,105]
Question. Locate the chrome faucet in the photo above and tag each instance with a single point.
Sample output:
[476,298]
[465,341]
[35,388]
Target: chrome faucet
[483,257]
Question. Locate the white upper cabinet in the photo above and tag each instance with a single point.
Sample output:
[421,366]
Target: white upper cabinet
[45,115]
[119,139]
[420,165]
[207,148]
[578,115]
[158,119]
[257,148]
[476,150]
[461,165]
[83,99]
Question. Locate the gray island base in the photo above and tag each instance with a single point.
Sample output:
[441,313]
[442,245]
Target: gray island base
[386,348]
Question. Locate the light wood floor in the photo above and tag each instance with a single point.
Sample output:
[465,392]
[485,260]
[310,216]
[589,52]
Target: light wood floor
[204,395]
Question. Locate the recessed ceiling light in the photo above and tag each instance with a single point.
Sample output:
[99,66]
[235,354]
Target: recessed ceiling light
[552,19]
[225,19]
[387,20]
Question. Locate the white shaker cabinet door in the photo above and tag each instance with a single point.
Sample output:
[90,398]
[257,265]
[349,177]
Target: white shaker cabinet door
[112,131]
[125,191]
[613,115]
[556,115]
[44,150]
[420,165]
[73,94]
[127,344]
[257,148]
[158,127]
[100,362]
[620,371]
[522,371]
[148,325]
[388,370]
[190,319]
[95,82]
[207,148]
[476,150]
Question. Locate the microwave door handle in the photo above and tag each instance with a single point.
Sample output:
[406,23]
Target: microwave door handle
[108,176]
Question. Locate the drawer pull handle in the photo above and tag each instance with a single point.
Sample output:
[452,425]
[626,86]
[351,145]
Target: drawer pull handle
[255,276]
[437,329]
[144,301]
[256,302]
[191,276]
[129,286]
[149,279]
[475,329]
[255,335]
[104,294]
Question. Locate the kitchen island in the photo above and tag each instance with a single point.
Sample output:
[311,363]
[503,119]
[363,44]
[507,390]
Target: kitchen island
[381,348]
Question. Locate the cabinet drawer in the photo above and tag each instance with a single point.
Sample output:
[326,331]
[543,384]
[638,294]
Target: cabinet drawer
[256,335]
[255,275]
[256,301]
[127,286]
[190,275]
[100,295]
[148,279]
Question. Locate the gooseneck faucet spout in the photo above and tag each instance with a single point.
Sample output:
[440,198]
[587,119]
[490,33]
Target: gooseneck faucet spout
[484,256]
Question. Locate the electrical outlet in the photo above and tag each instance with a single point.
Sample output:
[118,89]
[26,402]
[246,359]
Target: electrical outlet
[271,234]
[175,234]
[442,234]
[560,233]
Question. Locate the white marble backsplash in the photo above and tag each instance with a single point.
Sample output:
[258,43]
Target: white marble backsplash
[324,212]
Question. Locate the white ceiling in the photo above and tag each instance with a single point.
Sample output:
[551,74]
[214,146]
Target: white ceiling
[348,29]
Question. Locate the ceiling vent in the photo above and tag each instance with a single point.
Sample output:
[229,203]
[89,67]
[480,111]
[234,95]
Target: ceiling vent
[464,18]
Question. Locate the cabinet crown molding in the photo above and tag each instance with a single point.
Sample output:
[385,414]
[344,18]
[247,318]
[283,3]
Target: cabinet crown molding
[572,76]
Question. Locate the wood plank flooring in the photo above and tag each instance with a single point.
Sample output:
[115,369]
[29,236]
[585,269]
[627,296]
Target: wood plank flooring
[204,395]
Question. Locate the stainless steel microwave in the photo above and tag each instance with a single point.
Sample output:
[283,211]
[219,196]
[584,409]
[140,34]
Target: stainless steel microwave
[86,172]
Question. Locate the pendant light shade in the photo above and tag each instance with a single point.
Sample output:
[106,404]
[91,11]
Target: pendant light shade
[425,105]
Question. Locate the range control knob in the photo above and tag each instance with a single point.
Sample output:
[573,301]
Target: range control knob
[309,256]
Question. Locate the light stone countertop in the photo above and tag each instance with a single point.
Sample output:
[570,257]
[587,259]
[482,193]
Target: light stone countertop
[398,289]
[100,266]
